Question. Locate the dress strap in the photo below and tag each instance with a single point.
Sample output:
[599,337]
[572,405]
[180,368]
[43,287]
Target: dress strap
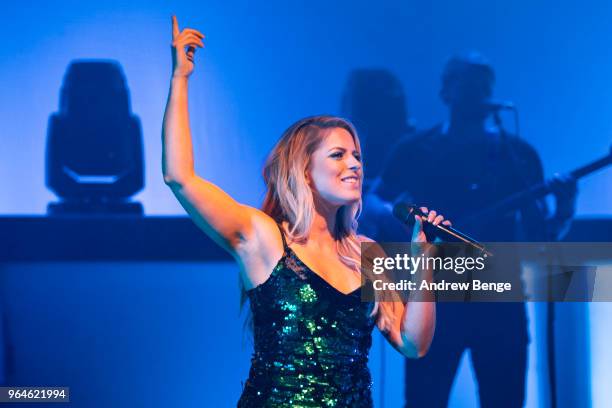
[282,232]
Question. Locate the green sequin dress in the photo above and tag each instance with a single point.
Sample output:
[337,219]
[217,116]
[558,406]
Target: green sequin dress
[311,342]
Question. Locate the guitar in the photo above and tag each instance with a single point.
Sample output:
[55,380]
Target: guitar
[517,200]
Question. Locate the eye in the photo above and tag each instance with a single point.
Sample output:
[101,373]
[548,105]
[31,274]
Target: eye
[357,156]
[337,155]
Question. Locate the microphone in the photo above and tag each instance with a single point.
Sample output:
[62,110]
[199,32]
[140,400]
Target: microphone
[495,105]
[405,213]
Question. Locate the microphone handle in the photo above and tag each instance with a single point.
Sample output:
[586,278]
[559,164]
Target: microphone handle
[448,230]
[461,237]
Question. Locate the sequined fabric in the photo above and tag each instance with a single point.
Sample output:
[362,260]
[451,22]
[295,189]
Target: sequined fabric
[311,342]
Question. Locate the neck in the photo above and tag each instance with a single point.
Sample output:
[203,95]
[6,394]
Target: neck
[465,130]
[466,126]
[323,224]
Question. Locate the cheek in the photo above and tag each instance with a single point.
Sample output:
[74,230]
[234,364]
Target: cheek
[324,176]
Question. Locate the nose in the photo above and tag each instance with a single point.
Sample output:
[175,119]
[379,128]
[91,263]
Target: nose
[354,164]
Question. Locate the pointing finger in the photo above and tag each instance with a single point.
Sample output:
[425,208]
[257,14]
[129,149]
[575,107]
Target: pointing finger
[175,27]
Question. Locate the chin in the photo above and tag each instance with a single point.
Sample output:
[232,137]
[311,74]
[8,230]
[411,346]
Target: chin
[352,199]
[342,201]
[341,198]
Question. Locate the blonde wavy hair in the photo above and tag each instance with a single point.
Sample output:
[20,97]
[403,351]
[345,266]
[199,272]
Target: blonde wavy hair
[290,199]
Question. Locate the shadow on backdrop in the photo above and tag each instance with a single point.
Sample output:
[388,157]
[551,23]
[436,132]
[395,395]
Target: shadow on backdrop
[458,167]
[94,157]
[375,101]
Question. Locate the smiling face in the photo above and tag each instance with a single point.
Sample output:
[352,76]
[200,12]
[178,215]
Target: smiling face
[335,172]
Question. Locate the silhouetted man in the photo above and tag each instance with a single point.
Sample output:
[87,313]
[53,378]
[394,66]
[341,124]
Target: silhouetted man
[460,167]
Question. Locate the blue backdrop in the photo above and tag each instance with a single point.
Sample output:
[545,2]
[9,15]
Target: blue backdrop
[269,63]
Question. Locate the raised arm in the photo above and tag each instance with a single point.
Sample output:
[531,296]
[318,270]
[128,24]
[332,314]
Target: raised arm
[219,215]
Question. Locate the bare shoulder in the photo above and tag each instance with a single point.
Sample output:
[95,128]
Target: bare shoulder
[371,247]
[363,238]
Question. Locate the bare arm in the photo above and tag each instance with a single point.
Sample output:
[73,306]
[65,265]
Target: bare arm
[415,322]
[215,212]
[177,159]
[413,327]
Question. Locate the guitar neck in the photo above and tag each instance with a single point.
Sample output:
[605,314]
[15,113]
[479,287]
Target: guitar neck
[591,167]
[517,200]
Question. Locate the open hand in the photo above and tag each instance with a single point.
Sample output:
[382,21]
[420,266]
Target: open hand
[184,44]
